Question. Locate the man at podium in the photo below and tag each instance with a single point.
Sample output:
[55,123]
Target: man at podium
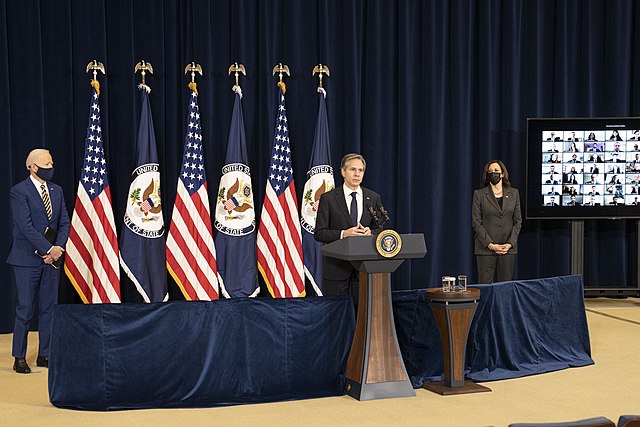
[346,211]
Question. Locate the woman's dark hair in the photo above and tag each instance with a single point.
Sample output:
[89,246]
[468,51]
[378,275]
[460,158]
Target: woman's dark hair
[505,173]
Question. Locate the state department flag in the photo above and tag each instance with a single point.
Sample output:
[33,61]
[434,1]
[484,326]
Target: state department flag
[319,181]
[191,253]
[142,245]
[235,217]
[279,242]
[91,262]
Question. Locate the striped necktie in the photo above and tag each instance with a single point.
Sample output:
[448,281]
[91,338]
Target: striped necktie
[46,200]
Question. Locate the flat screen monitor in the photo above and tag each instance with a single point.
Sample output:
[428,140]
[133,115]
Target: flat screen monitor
[583,168]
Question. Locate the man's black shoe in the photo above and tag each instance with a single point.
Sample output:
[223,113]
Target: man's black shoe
[20,366]
[42,361]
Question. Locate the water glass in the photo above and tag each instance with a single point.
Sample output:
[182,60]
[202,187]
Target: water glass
[446,284]
[462,282]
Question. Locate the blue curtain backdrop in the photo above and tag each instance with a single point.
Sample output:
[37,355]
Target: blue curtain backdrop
[427,91]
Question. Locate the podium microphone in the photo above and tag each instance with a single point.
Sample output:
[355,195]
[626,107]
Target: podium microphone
[374,215]
[385,215]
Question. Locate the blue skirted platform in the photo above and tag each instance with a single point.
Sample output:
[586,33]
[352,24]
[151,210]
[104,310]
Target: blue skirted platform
[520,328]
[200,354]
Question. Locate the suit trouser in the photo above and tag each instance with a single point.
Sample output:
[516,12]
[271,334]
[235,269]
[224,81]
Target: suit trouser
[34,284]
[349,286]
[499,265]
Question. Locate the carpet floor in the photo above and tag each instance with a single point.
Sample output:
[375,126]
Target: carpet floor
[609,388]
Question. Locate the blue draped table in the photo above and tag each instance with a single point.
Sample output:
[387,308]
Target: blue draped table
[520,328]
[198,354]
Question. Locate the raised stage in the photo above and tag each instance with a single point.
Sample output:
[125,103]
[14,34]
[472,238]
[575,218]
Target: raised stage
[198,354]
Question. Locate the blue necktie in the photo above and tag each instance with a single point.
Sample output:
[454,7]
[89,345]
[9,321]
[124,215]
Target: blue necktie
[354,209]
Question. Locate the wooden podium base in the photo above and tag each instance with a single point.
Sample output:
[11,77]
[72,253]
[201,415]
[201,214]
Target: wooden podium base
[375,369]
[444,390]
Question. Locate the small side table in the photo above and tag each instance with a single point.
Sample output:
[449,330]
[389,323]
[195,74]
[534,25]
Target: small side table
[454,312]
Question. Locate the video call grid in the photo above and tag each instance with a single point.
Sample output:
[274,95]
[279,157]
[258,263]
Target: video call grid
[590,168]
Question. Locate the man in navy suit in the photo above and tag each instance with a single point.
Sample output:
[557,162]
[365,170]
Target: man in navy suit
[37,205]
[344,212]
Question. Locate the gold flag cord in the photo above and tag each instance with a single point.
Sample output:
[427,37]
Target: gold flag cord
[96,85]
[194,87]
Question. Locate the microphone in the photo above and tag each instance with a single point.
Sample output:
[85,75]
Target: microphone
[385,214]
[374,215]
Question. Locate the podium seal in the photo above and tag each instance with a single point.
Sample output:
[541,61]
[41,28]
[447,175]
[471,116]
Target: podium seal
[388,243]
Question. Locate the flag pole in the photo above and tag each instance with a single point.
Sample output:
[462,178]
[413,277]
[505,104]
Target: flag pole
[95,66]
[237,69]
[143,66]
[193,68]
[320,70]
[281,70]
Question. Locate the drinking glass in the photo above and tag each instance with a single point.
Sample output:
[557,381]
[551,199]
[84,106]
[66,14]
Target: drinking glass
[446,284]
[462,282]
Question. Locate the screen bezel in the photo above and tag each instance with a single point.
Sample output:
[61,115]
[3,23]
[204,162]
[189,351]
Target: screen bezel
[534,197]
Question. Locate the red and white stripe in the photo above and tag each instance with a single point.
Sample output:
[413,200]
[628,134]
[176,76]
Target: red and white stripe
[91,260]
[279,244]
[191,253]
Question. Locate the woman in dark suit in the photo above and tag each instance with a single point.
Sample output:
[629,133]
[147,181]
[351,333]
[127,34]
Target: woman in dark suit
[496,221]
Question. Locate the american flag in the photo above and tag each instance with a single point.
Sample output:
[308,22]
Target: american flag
[191,253]
[279,243]
[91,262]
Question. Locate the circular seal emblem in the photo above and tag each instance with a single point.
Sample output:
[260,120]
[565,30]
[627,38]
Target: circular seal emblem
[319,182]
[143,215]
[388,243]
[234,214]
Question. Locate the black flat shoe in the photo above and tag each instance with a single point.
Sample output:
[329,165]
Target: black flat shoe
[21,367]
[42,361]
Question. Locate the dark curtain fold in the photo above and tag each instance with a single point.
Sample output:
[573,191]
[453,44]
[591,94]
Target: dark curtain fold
[427,91]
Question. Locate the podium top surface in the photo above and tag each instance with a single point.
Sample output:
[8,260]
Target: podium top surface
[363,248]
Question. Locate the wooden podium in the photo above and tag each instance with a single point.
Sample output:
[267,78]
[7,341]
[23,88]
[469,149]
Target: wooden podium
[454,312]
[375,369]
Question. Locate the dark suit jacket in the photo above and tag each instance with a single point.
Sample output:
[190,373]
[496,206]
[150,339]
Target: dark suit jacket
[30,220]
[333,217]
[493,224]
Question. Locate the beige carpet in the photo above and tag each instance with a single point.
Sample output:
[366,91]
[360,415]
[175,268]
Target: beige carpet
[609,388]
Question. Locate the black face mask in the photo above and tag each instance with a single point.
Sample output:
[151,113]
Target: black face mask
[494,177]
[44,174]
